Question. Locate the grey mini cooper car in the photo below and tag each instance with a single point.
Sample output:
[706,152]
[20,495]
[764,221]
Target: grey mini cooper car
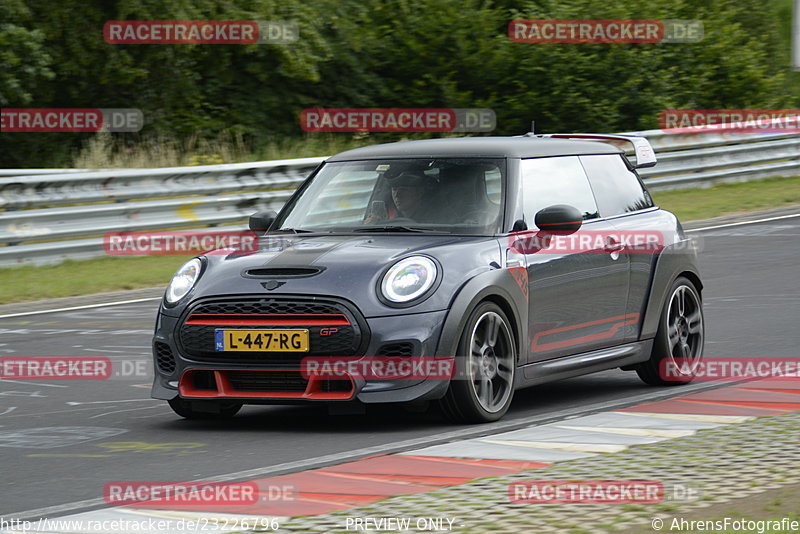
[508,261]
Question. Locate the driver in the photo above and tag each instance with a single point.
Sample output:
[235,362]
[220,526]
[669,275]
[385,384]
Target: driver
[411,194]
[408,190]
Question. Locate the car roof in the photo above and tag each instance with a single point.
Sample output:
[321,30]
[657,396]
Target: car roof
[513,147]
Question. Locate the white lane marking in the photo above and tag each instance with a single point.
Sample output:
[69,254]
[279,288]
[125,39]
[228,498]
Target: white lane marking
[128,410]
[50,437]
[71,410]
[27,383]
[106,350]
[743,223]
[643,432]
[9,410]
[723,419]
[74,403]
[84,307]
[22,394]
[557,446]
[52,510]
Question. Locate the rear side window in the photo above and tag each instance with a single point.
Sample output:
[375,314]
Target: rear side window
[558,180]
[618,190]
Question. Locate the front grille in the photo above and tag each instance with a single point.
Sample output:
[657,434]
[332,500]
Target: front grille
[165,361]
[396,349]
[266,306]
[283,381]
[197,341]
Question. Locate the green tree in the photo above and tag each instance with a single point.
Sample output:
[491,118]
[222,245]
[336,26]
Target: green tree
[383,53]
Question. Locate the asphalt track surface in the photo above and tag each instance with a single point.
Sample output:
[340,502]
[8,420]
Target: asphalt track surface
[752,306]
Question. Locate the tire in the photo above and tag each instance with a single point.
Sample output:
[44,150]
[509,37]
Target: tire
[681,334]
[204,409]
[483,385]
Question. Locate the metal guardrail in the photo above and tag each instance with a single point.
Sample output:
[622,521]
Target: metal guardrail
[33,172]
[51,216]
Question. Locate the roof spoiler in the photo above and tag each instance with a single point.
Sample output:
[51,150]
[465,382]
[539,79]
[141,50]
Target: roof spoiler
[645,156]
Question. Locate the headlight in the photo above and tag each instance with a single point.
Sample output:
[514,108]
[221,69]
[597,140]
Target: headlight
[408,279]
[184,280]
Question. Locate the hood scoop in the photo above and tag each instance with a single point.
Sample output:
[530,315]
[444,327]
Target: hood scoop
[282,272]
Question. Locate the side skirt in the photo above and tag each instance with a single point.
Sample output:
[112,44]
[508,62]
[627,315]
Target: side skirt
[584,363]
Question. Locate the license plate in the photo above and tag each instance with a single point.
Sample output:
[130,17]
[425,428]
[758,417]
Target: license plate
[262,340]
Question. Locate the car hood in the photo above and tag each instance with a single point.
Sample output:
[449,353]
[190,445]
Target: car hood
[350,267]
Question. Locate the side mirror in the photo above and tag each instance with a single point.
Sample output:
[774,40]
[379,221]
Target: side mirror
[559,217]
[262,220]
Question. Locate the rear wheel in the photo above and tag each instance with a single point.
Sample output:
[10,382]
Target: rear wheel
[679,339]
[204,409]
[483,386]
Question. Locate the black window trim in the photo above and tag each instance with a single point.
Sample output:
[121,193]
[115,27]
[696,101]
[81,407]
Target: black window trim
[632,169]
[654,207]
[588,182]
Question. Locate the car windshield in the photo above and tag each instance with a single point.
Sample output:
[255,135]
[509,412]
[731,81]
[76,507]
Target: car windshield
[453,196]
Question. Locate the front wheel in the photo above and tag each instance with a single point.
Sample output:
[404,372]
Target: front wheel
[204,409]
[679,339]
[483,386]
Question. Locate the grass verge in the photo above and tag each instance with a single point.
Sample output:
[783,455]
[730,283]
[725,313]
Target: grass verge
[18,284]
[727,199]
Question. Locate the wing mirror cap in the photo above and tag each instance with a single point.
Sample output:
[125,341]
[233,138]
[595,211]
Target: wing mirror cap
[262,220]
[559,217]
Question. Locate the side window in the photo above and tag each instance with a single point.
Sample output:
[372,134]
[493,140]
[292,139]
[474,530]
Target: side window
[558,180]
[617,189]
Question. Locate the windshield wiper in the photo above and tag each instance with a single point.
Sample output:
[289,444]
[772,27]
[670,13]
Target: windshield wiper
[295,230]
[394,228]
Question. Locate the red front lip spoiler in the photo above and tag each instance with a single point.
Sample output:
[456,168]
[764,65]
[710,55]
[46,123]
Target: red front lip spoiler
[225,390]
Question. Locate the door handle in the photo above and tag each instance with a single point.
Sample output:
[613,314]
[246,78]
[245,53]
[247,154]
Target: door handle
[613,245]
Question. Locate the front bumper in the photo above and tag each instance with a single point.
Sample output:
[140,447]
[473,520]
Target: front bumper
[271,378]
